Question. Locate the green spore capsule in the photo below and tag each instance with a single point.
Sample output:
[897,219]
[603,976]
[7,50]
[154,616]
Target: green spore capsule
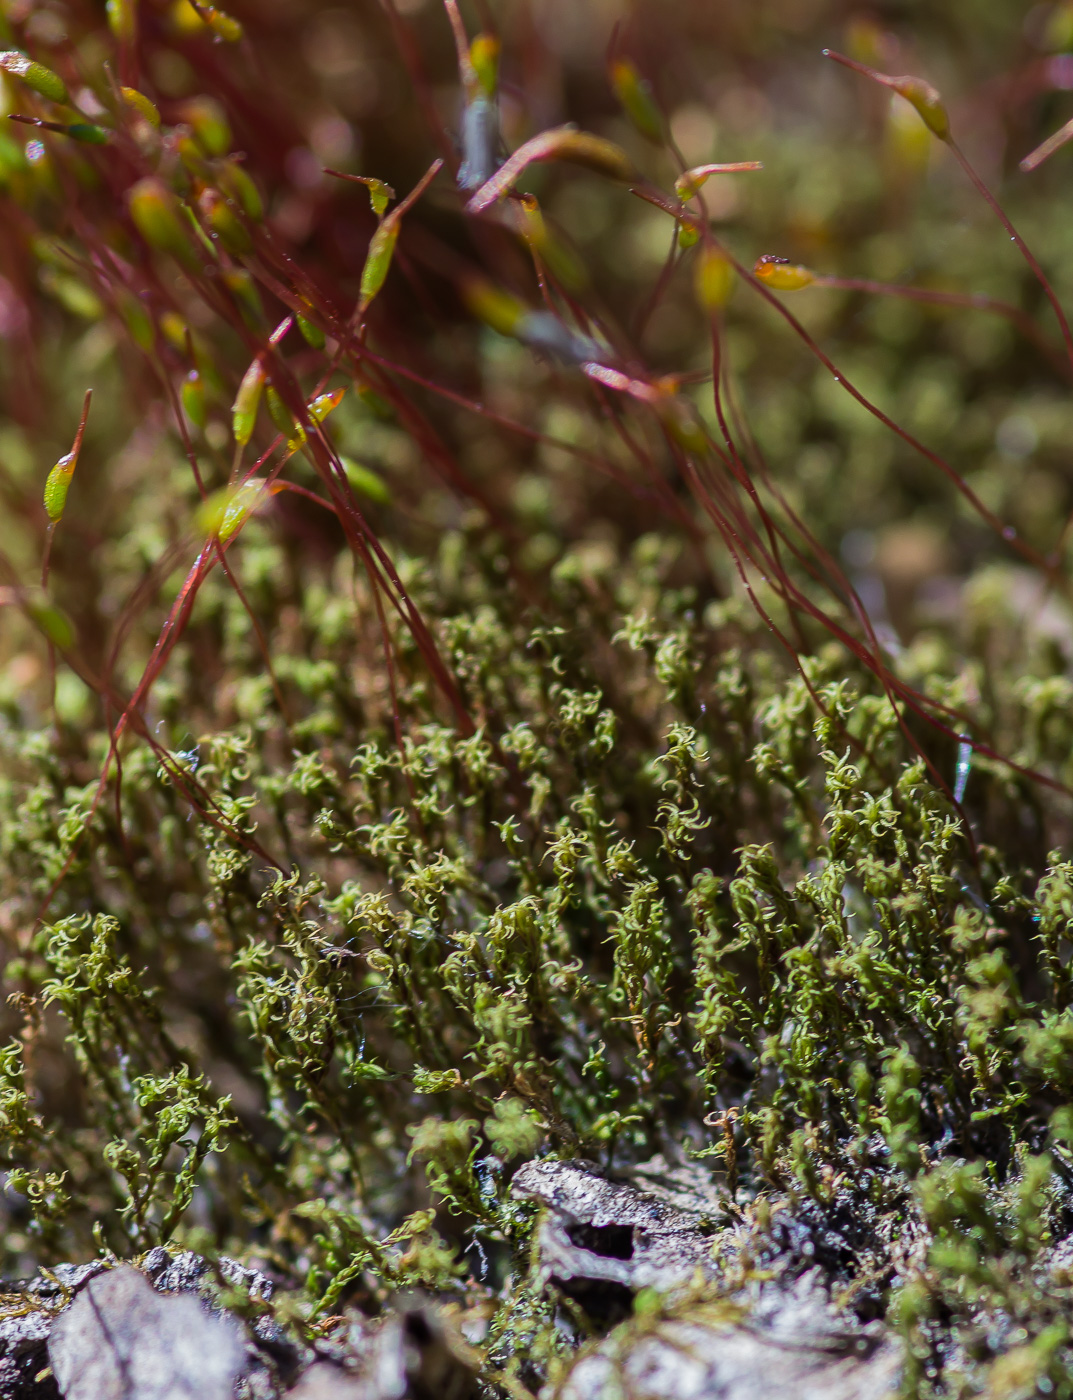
[35,75]
[223,25]
[122,19]
[58,481]
[484,55]
[193,397]
[138,102]
[156,214]
[311,334]
[378,261]
[277,411]
[366,482]
[635,95]
[224,224]
[319,408]
[55,625]
[88,133]
[208,122]
[57,485]
[238,509]
[237,184]
[247,402]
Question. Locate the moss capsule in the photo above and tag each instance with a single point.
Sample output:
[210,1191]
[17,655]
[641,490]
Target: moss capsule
[637,100]
[247,402]
[35,75]
[139,103]
[378,261]
[781,275]
[311,334]
[193,397]
[122,19]
[158,218]
[713,279]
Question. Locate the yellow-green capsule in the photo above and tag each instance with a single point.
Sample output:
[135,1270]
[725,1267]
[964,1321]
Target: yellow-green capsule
[72,293]
[236,183]
[781,275]
[382,243]
[277,411]
[224,511]
[680,420]
[57,484]
[141,104]
[916,91]
[223,25]
[380,194]
[56,625]
[688,234]
[193,397]
[208,121]
[366,482]
[378,261]
[318,409]
[495,307]
[635,95]
[58,481]
[556,257]
[311,334]
[247,402]
[484,55]
[122,19]
[928,103]
[157,216]
[192,161]
[713,279]
[136,319]
[175,330]
[35,75]
[238,508]
[244,289]
[185,20]
[224,224]
[1058,32]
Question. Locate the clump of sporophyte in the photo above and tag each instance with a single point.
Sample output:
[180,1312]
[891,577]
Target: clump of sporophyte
[535,625]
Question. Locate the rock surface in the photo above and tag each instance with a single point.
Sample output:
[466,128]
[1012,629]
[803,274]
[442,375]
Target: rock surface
[699,1358]
[122,1340]
[597,1230]
[656,1277]
[777,1336]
